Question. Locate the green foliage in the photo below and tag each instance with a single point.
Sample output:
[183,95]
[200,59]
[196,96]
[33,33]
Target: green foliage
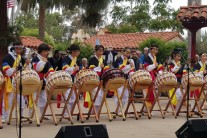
[34,32]
[165,49]
[160,18]
[122,28]
[86,50]
[62,46]
[202,44]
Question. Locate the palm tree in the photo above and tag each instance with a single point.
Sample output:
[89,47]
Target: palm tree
[92,10]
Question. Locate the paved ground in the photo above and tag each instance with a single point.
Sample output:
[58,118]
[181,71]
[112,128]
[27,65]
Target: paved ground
[142,128]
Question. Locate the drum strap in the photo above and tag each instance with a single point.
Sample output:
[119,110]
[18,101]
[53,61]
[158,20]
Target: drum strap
[100,61]
[8,85]
[73,62]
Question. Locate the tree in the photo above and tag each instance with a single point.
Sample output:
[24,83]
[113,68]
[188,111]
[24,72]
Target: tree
[165,48]
[91,16]
[3,30]
[202,44]
[160,18]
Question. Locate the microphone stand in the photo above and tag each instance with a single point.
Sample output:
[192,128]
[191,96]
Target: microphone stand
[20,104]
[188,84]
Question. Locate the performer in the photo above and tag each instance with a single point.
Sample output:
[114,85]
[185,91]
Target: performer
[10,66]
[152,65]
[200,68]
[178,69]
[125,64]
[71,65]
[43,67]
[96,63]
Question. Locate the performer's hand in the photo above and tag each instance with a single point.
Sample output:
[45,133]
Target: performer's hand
[27,62]
[131,65]
[102,65]
[156,64]
[76,68]
[44,59]
[205,71]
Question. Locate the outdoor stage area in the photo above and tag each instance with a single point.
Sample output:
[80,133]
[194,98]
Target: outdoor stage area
[156,127]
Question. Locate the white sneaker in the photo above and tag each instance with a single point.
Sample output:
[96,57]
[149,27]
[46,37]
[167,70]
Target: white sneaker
[3,121]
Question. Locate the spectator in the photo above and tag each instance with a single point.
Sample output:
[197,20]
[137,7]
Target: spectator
[56,61]
[110,57]
[135,59]
[165,64]
[143,56]
[84,63]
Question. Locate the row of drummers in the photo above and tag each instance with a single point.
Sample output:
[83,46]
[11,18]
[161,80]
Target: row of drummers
[144,79]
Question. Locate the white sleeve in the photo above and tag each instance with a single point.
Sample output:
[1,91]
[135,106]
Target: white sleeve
[175,69]
[150,67]
[70,70]
[10,72]
[97,69]
[40,66]
[126,69]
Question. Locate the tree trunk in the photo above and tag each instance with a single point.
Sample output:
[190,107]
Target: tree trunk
[3,30]
[42,21]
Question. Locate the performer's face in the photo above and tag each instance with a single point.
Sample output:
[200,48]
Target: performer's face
[75,53]
[154,50]
[203,57]
[45,53]
[18,50]
[99,52]
[178,57]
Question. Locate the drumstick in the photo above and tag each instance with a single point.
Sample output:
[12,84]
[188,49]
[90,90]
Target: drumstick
[56,68]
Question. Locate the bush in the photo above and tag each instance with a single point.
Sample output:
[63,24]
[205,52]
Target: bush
[35,32]
[165,49]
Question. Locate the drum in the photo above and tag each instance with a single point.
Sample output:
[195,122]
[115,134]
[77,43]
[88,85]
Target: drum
[195,82]
[1,79]
[165,81]
[30,81]
[61,80]
[88,77]
[141,78]
[113,76]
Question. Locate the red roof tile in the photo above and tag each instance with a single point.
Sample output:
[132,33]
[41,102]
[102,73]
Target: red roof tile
[130,40]
[31,42]
[193,13]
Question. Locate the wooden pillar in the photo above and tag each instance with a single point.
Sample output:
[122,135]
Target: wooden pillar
[3,30]
[193,45]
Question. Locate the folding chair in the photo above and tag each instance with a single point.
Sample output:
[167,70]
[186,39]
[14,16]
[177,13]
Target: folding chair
[2,86]
[194,98]
[88,86]
[114,84]
[29,88]
[54,90]
[138,87]
[157,93]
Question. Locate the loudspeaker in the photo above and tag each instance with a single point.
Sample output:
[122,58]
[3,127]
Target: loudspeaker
[83,131]
[193,129]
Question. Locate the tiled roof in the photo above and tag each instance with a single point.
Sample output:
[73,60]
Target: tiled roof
[30,42]
[193,16]
[130,40]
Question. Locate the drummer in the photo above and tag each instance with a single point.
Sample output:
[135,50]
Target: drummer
[126,65]
[152,65]
[201,68]
[96,63]
[10,66]
[71,65]
[178,69]
[43,67]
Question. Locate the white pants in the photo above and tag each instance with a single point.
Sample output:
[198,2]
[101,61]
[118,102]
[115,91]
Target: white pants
[72,98]
[125,96]
[99,97]
[11,97]
[179,98]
